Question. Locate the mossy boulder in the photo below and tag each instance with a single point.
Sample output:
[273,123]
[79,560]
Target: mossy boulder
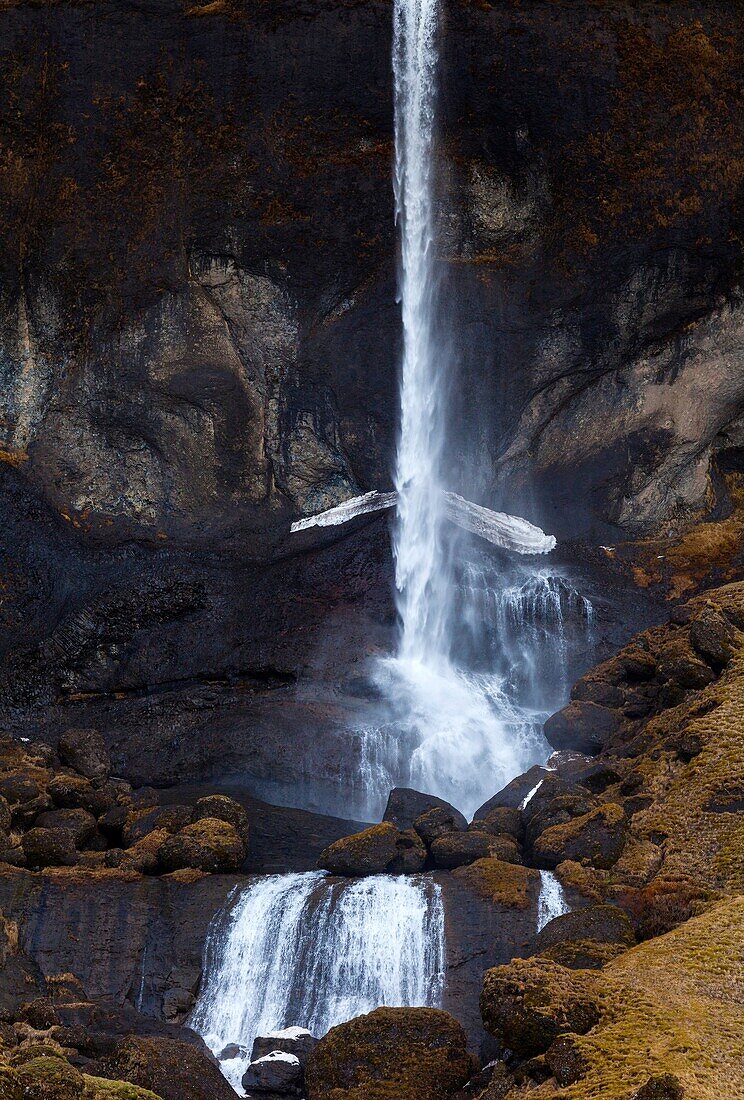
[598,923]
[10,1084]
[391,1054]
[527,1004]
[437,822]
[206,845]
[559,810]
[99,1088]
[172,1069]
[223,808]
[458,849]
[660,1086]
[566,1060]
[80,824]
[33,1051]
[583,954]
[380,849]
[714,638]
[144,856]
[500,820]
[583,726]
[597,837]
[501,883]
[680,665]
[75,792]
[48,1078]
[49,848]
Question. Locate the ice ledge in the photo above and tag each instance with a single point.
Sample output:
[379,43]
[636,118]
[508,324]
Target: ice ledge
[498,528]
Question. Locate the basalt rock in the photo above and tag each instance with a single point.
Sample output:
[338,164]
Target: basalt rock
[597,836]
[405,805]
[69,792]
[438,822]
[168,1067]
[395,1053]
[586,727]
[459,849]
[79,823]
[207,845]
[86,752]
[377,850]
[49,1078]
[276,1072]
[292,1040]
[500,820]
[222,808]
[558,811]
[49,848]
[514,793]
[527,1005]
[595,923]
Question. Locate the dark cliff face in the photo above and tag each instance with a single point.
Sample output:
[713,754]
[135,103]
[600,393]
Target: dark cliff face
[199,326]
[199,335]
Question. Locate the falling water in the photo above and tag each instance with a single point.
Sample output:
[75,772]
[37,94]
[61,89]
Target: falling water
[459,722]
[463,731]
[421,574]
[552,901]
[308,951]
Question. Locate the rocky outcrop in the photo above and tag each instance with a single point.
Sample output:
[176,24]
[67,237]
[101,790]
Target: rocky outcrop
[58,816]
[406,1053]
[379,849]
[168,1067]
[192,358]
[625,1030]
[220,342]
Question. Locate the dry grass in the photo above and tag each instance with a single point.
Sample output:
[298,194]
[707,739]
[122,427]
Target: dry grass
[675,1005]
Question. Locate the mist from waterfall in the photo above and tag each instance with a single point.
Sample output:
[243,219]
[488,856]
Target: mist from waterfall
[305,950]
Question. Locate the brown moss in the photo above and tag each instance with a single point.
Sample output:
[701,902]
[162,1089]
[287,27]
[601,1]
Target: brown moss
[597,836]
[672,1005]
[528,1003]
[501,883]
[10,1085]
[13,456]
[587,881]
[48,1078]
[100,1088]
[391,1054]
[583,954]
[671,151]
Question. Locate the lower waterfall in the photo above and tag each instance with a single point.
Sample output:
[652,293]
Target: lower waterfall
[304,950]
[552,901]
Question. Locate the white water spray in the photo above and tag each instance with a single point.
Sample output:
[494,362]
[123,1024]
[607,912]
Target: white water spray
[552,900]
[302,950]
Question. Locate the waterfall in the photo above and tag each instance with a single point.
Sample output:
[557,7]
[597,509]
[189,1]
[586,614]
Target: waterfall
[462,731]
[464,698]
[551,901]
[418,544]
[304,950]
